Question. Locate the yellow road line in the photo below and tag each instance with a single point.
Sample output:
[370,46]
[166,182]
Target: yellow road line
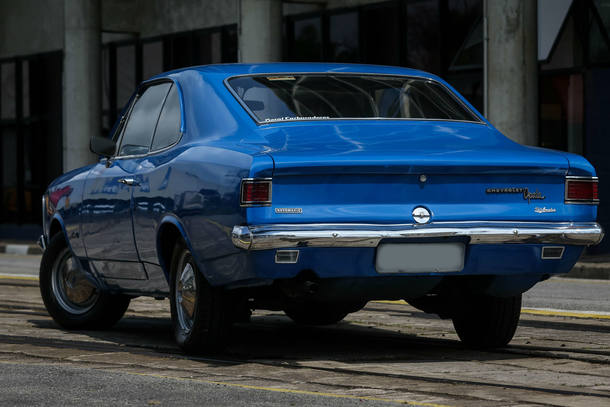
[10,277]
[539,311]
[292,391]
[559,313]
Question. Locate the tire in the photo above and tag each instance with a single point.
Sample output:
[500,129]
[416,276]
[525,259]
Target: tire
[201,316]
[320,313]
[72,300]
[487,322]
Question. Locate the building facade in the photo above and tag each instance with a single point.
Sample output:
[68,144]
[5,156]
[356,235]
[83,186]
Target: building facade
[538,70]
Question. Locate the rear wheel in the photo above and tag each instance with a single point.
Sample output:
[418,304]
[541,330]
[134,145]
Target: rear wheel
[320,313]
[71,299]
[200,312]
[486,321]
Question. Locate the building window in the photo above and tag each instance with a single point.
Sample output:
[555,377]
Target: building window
[307,40]
[30,135]
[343,37]
[424,35]
[561,112]
[126,63]
[599,32]
[382,34]
[439,36]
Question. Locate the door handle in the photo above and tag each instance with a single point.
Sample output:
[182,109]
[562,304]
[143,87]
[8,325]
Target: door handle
[129,181]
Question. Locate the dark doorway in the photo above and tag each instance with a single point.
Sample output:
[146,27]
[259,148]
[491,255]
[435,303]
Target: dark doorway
[30,139]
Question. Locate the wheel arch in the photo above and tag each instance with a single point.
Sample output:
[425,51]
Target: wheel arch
[57,226]
[170,230]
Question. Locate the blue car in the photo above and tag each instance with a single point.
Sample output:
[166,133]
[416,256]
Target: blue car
[312,189]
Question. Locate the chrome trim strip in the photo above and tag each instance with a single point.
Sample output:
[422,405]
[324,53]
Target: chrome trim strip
[42,242]
[277,236]
[583,178]
[44,214]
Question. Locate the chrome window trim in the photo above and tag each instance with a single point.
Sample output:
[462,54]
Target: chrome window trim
[146,85]
[249,204]
[579,201]
[260,123]
[125,157]
[280,236]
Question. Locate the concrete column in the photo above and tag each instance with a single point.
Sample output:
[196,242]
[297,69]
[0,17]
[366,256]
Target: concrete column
[512,68]
[82,80]
[260,30]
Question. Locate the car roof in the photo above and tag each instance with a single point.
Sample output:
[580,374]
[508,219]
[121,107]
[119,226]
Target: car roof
[227,70]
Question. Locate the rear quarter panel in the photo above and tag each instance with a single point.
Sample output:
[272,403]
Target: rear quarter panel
[196,186]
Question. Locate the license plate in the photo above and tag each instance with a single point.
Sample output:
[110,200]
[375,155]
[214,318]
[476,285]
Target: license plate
[419,257]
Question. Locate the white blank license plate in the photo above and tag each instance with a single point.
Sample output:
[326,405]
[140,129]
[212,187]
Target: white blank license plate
[419,257]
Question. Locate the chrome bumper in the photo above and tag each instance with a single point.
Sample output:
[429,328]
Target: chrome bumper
[264,237]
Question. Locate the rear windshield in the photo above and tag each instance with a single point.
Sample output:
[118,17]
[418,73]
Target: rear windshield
[273,98]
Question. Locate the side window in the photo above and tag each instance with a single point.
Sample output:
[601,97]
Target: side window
[168,127]
[142,120]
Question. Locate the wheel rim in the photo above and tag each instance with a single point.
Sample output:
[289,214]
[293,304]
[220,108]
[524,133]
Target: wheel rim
[186,296]
[71,289]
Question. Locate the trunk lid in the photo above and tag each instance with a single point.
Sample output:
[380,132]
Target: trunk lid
[372,172]
[404,148]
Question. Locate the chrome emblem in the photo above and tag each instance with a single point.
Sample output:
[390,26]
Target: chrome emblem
[527,195]
[292,211]
[544,209]
[421,215]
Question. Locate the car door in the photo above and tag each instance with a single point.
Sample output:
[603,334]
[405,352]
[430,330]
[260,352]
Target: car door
[157,189]
[107,225]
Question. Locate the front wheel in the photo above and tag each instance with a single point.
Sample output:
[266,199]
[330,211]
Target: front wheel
[72,300]
[200,313]
[486,321]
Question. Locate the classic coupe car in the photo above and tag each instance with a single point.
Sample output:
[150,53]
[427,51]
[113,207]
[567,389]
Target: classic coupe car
[312,189]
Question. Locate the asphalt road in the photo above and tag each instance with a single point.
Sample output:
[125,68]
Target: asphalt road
[45,385]
[386,354]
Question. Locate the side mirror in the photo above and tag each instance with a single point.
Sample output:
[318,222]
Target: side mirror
[102,146]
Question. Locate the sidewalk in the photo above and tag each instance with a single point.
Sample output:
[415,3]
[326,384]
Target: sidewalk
[589,267]
[19,247]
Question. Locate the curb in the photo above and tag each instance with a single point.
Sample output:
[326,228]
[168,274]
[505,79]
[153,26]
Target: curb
[587,270]
[10,248]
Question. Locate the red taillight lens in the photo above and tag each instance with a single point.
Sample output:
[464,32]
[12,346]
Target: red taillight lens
[256,192]
[582,190]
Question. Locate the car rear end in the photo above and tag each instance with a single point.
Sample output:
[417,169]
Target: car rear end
[392,207]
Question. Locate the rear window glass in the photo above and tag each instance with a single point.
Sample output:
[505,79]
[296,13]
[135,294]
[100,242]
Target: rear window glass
[273,98]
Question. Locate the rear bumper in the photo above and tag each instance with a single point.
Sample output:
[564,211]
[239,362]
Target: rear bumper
[277,236]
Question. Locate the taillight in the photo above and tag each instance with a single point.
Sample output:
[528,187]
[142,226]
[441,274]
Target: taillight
[581,190]
[255,191]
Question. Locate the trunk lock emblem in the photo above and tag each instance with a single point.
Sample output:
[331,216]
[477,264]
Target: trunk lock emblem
[421,215]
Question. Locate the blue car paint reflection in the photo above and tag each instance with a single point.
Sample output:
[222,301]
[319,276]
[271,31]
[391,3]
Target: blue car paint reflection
[336,171]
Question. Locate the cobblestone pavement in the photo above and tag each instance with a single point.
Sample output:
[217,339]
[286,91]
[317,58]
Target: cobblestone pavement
[386,353]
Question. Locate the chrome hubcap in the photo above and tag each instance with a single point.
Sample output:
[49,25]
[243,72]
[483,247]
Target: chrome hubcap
[71,289]
[186,296]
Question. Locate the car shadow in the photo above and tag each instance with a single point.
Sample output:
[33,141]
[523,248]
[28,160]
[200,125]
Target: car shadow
[274,337]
